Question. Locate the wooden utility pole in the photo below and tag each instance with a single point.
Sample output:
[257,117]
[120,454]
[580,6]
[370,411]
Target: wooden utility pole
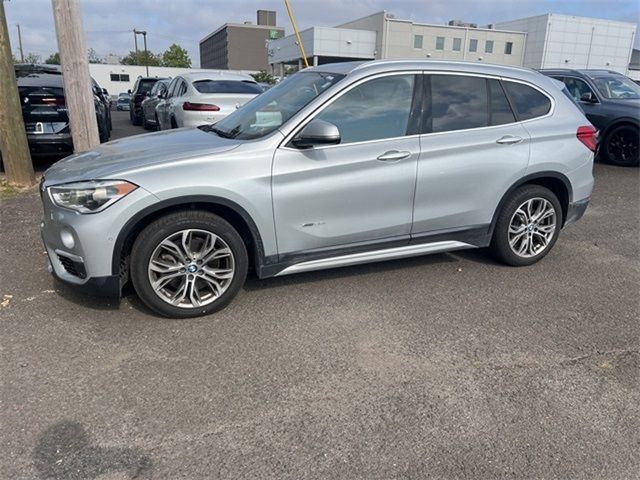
[75,74]
[13,138]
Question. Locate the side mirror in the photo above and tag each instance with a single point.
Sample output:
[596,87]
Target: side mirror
[588,97]
[129,91]
[104,91]
[162,94]
[317,132]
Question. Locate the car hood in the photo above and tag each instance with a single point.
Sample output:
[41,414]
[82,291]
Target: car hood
[115,158]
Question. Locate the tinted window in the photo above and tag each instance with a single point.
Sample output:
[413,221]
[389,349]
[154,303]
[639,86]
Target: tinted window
[528,102]
[172,87]
[500,110]
[226,86]
[458,102]
[146,86]
[473,45]
[376,109]
[577,87]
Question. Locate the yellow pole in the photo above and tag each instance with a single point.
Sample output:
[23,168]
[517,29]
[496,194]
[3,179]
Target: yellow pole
[295,29]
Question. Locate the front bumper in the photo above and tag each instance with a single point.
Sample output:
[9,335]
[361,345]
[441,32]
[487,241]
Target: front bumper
[576,211]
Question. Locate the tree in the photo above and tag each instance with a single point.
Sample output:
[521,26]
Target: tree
[32,58]
[93,56]
[176,56]
[142,58]
[54,59]
[263,77]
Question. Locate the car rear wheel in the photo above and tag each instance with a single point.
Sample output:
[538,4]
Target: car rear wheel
[620,146]
[188,264]
[527,227]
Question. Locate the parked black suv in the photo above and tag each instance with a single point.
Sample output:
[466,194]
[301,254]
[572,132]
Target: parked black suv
[141,90]
[45,112]
[611,102]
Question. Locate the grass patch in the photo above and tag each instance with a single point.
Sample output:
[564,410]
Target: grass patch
[8,190]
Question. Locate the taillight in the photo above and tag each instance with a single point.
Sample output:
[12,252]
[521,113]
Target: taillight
[59,101]
[589,136]
[200,107]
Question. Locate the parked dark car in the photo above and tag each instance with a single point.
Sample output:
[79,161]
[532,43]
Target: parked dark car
[44,109]
[611,102]
[123,101]
[141,90]
[149,117]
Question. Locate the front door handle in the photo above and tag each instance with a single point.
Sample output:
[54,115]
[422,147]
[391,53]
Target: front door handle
[393,156]
[509,140]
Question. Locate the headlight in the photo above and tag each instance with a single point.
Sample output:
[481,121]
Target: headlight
[90,197]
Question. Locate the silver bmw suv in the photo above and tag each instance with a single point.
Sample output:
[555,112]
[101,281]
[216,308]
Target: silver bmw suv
[337,165]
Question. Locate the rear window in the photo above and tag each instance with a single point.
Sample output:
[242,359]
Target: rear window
[528,102]
[226,86]
[146,86]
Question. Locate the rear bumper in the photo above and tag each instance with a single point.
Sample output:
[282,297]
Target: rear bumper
[50,143]
[576,211]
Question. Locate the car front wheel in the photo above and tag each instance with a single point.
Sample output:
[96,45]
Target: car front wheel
[188,264]
[527,226]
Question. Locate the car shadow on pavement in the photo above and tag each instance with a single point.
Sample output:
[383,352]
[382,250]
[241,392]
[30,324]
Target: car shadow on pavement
[254,283]
[69,293]
[65,451]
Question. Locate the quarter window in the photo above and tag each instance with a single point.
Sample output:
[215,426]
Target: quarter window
[374,110]
[473,45]
[457,44]
[458,102]
[417,41]
[439,43]
[500,109]
[528,102]
[488,46]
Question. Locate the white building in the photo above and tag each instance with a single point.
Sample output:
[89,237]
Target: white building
[120,78]
[565,41]
[381,35]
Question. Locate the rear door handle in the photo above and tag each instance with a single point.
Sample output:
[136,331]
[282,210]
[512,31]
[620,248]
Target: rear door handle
[393,156]
[509,140]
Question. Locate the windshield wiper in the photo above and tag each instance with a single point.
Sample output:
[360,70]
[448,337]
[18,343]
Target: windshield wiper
[216,130]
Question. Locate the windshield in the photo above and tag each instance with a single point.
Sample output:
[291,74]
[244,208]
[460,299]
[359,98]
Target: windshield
[267,112]
[617,87]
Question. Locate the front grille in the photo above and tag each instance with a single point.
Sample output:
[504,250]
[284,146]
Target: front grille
[73,268]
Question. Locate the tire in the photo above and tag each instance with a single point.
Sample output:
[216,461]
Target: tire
[214,291]
[136,120]
[158,128]
[145,124]
[520,239]
[174,124]
[620,146]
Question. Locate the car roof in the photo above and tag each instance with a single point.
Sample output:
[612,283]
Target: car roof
[216,75]
[381,66]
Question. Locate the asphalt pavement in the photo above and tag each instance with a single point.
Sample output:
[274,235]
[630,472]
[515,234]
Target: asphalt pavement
[446,366]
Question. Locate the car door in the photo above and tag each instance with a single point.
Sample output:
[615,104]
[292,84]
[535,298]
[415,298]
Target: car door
[472,151]
[593,110]
[361,190]
[162,108]
[175,104]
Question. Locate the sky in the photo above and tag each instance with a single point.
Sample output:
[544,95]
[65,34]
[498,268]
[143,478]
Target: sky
[108,24]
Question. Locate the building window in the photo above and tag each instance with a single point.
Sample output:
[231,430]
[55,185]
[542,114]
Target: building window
[457,44]
[473,45]
[508,47]
[117,77]
[417,41]
[488,46]
[439,43]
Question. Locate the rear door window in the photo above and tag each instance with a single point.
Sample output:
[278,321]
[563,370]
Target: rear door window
[528,102]
[458,102]
[500,110]
[227,86]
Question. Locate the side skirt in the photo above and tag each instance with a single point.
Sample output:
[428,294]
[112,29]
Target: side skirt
[375,256]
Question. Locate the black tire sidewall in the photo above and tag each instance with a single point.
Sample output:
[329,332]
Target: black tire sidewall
[605,147]
[500,240]
[157,231]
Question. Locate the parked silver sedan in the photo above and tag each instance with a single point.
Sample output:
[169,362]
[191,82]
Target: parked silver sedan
[202,98]
[337,165]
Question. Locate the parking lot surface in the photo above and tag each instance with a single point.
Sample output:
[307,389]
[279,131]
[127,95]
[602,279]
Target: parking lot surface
[445,366]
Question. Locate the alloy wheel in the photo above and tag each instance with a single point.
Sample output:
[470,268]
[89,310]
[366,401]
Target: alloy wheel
[191,268]
[622,147]
[532,227]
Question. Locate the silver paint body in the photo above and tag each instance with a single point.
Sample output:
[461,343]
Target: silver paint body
[329,196]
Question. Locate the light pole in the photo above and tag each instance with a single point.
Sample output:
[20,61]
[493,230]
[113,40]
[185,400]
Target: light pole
[146,54]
